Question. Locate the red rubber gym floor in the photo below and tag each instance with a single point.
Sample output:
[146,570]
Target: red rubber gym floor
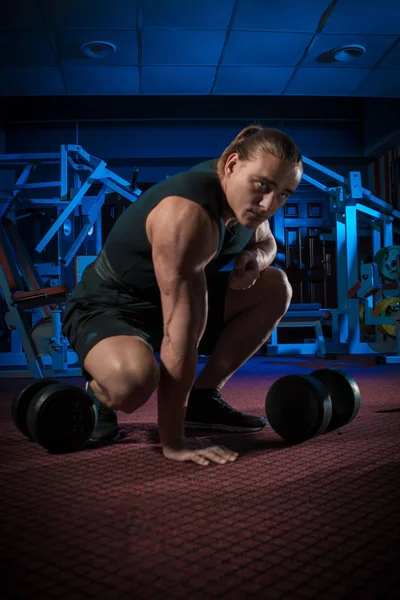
[317,520]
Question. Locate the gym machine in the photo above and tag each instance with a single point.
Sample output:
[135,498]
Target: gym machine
[33,291]
[366,319]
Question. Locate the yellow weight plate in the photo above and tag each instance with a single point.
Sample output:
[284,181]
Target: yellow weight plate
[385,308]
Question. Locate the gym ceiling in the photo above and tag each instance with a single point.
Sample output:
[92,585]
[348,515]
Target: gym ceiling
[344,48]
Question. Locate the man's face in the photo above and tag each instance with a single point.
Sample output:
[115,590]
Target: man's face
[256,189]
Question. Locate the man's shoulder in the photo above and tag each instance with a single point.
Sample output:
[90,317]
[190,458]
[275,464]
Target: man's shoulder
[195,181]
[207,166]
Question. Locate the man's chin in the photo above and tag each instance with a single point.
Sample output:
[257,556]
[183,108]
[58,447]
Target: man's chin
[251,222]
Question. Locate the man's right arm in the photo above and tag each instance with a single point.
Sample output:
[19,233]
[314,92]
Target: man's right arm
[184,239]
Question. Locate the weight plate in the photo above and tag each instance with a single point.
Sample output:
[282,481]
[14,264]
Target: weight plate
[61,418]
[386,308]
[386,259]
[344,393]
[298,408]
[20,404]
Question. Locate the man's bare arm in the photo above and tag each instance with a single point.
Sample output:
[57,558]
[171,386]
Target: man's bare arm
[263,246]
[184,239]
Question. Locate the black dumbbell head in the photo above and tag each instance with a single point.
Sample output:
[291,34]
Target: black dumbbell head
[344,393]
[20,404]
[298,407]
[61,418]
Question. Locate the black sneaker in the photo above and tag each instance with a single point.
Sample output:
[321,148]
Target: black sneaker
[106,428]
[207,410]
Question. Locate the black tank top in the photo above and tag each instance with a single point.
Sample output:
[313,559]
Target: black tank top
[128,249]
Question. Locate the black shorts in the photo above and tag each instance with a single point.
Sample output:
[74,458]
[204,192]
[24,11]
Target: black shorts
[95,311]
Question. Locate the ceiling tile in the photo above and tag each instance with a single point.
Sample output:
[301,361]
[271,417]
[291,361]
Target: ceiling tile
[25,48]
[392,59]
[252,80]
[178,80]
[101,80]
[69,42]
[320,81]
[319,52]
[19,14]
[204,14]
[25,81]
[90,14]
[182,47]
[380,83]
[260,48]
[365,16]
[291,15]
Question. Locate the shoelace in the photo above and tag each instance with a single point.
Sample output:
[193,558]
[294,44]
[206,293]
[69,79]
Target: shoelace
[224,405]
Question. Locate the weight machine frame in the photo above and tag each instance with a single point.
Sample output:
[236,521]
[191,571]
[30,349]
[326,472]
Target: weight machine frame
[78,171]
[348,199]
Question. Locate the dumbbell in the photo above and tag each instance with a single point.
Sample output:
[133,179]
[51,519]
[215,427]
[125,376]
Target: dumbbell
[299,407]
[60,417]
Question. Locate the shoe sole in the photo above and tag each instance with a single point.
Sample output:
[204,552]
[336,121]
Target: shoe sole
[215,427]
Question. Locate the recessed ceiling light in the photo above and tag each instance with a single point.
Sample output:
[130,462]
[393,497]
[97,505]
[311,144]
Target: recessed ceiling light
[98,49]
[347,53]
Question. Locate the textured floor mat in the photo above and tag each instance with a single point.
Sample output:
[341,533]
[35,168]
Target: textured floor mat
[318,520]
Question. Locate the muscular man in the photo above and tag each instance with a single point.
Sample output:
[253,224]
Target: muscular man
[157,285]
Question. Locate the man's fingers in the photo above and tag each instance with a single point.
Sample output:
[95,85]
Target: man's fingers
[226,453]
[198,459]
[218,455]
[213,456]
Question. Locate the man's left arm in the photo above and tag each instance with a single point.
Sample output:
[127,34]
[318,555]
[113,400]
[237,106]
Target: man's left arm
[263,246]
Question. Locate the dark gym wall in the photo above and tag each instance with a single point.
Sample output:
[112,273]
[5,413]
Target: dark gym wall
[162,148]
[164,135]
[382,125]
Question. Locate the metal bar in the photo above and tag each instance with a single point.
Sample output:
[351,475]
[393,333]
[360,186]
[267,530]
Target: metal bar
[76,245]
[387,234]
[63,171]
[120,190]
[74,147]
[381,203]
[352,276]
[370,212]
[24,176]
[29,157]
[84,231]
[5,206]
[33,186]
[114,177]
[79,150]
[79,166]
[326,171]
[69,209]
[316,183]
[94,161]
[376,240]
[340,324]
[47,202]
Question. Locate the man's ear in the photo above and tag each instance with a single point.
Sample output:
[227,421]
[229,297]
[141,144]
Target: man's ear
[231,163]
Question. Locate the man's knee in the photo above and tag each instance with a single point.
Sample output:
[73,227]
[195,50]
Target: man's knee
[276,288]
[129,385]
